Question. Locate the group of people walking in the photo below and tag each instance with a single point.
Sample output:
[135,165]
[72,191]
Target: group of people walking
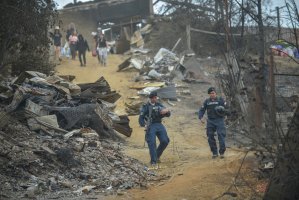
[76,44]
[152,113]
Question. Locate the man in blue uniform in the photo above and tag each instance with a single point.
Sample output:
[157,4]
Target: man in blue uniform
[150,117]
[215,107]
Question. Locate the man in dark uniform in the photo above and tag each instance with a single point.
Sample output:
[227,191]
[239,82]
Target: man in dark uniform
[215,107]
[150,117]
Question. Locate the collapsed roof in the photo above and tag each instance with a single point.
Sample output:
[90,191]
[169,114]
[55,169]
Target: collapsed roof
[113,10]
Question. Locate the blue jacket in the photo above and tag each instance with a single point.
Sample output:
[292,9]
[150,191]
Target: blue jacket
[209,105]
[155,117]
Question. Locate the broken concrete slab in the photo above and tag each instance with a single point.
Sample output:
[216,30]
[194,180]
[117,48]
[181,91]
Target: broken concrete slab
[32,109]
[39,81]
[27,75]
[37,123]
[165,53]
[73,88]
[154,74]
[138,64]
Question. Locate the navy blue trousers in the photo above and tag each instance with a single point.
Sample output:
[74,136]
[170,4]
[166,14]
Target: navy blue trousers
[156,129]
[216,125]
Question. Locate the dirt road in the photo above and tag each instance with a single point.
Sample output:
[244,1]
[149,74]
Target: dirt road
[187,163]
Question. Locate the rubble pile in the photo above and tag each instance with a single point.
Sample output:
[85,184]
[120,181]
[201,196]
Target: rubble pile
[166,73]
[51,103]
[63,166]
[60,138]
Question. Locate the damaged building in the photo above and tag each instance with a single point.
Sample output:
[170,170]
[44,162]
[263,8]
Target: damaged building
[117,17]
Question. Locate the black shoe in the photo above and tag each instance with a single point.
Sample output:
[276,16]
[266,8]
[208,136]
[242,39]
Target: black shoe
[221,156]
[214,156]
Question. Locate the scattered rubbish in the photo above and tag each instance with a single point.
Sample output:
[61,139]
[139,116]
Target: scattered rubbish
[164,53]
[269,165]
[85,189]
[136,63]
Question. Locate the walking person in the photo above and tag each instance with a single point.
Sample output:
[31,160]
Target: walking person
[150,117]
[96,39]
[102,49]
[57,42]
[215,107]
[70,30]
[73,39]
[82,46]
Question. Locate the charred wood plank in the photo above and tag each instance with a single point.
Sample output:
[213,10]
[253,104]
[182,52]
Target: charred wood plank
[124,64]
[122,126]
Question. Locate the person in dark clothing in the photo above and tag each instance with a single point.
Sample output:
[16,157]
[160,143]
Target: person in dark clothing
[215,123]
[82,46]
[57,42]
[150,117]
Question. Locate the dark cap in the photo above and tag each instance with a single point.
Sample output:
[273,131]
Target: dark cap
[153,94]
[211,89]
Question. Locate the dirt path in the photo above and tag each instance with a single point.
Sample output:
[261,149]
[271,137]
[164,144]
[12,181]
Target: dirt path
[192,174]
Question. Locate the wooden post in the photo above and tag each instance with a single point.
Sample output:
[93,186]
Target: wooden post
[176,44]
[188,28]
[278,22]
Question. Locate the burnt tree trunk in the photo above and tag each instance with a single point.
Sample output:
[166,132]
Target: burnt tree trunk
[284,183]
[242,23]
[260,78]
